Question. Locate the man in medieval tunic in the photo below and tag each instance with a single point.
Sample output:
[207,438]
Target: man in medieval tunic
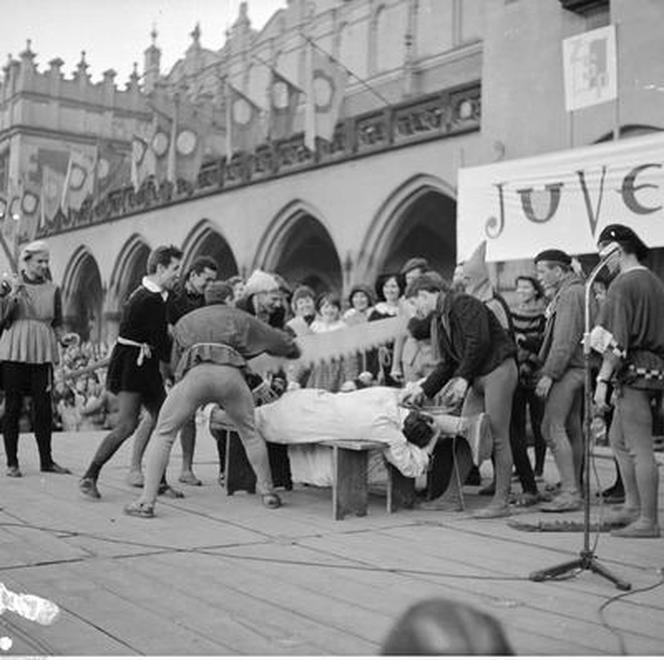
[133,372]
[210,349]
[630,338]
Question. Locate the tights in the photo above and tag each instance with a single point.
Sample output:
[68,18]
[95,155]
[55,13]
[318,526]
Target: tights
[129,404]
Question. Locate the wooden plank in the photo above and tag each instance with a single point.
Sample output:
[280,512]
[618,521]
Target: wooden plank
[400,490]
[350,492]
[354,445]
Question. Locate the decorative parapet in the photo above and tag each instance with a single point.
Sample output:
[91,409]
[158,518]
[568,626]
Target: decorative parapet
[441,115]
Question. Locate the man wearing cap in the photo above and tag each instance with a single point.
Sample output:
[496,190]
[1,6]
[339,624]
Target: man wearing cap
[210,349]
[262,298]
[477,363]
[630,339]
[561,376]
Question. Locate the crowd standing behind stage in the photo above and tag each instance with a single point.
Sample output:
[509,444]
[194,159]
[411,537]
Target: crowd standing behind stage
[544,326]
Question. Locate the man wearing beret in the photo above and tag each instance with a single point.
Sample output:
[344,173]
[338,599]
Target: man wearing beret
[561,377]
[477,363]
[630,339]
[210,349]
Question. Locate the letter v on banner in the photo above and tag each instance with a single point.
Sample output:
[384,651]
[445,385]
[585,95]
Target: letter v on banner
[593,216]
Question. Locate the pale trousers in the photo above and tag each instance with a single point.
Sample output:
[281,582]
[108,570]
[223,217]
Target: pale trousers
[203,384]
[493,394]
[562,427]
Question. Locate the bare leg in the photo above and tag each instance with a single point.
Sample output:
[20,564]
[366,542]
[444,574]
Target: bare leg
[188,442]
[141,439]
[632,443]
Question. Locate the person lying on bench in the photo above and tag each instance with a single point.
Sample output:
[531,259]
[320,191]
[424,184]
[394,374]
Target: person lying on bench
[309,416]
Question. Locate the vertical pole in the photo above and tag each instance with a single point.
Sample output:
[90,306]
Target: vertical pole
[616,104]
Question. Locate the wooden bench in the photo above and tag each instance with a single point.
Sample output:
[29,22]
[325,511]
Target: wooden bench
[350,487]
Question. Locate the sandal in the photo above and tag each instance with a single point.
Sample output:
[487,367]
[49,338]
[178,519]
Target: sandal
[139,510]
[168,491]
[271,500]
[525,500]
[563,502]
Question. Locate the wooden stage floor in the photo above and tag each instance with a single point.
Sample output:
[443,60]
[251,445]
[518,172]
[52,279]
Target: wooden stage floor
[218,575]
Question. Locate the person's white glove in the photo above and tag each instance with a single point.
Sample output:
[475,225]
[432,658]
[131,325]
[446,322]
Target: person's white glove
[454,392]
[411,395]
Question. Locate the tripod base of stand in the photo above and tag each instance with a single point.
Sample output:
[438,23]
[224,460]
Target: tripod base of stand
[586,562]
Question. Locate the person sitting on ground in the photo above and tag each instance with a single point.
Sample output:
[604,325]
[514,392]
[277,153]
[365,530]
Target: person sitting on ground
[210,349]
[439,626]
[306,416]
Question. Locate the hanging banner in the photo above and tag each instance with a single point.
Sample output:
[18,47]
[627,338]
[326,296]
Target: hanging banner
[589,67]
[562,199]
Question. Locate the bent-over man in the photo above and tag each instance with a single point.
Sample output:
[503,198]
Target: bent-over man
[210,349]
[477,363]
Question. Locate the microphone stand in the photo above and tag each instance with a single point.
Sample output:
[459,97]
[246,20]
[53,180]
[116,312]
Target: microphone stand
[587,560]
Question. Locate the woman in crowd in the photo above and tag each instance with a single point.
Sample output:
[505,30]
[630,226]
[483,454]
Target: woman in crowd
[303,304]
[32,320]
[389,288]
[529,322]
[360,302]
[331,375]
[413,358]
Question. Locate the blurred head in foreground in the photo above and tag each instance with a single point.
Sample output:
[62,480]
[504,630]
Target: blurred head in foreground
[444,627]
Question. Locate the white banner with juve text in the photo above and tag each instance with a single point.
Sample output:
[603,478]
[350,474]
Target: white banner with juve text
[562,199]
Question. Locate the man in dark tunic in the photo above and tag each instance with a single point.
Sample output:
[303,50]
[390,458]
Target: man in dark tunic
[629,336]
[133,372]
[211,346]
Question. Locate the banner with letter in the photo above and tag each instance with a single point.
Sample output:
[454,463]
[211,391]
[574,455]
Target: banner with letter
[562,199]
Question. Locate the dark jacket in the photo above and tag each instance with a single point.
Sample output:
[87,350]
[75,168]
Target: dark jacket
[562,349]
[471,341]
[181,302]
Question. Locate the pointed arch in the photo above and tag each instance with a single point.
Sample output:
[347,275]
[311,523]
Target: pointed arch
[77,259]
[388,221]
[83,295]
[128,270]
[205,239]
[298,245]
